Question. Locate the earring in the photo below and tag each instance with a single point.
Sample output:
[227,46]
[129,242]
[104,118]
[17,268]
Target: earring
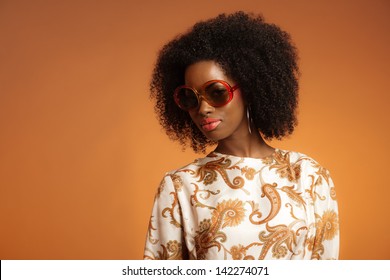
[249,120]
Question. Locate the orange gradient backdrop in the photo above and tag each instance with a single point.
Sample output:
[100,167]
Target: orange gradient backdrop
[81,152]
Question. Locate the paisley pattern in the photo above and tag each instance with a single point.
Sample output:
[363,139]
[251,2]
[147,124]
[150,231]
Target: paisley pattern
[227,207]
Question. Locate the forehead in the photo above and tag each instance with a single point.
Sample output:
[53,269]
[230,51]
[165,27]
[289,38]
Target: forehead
[203,71]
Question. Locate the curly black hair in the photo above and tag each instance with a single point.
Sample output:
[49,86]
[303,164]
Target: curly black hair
[259,56]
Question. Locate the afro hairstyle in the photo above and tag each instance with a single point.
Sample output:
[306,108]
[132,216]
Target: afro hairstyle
[257,55]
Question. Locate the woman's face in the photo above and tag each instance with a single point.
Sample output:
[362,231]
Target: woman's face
[216,123]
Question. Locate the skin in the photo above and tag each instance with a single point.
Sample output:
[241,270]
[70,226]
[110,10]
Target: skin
[232,134]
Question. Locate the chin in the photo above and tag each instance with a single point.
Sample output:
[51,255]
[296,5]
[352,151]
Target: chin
[214,139]
[213,136]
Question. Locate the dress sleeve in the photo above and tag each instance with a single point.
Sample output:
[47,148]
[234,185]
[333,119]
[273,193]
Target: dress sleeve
[325,243]
[165,238]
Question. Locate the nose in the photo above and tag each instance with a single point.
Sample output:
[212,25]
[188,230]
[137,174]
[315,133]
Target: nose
[205,108]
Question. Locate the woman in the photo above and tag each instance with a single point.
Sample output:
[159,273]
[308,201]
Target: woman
[232,81]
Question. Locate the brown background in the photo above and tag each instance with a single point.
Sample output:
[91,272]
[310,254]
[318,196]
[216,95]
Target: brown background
[82,154]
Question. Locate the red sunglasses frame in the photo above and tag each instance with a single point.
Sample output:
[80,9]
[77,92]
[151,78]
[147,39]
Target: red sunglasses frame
[200,96]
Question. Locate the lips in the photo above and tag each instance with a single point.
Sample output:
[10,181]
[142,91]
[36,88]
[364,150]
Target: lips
[210,124]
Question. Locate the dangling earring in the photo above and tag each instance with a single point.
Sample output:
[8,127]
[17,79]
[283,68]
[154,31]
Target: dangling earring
[249,120]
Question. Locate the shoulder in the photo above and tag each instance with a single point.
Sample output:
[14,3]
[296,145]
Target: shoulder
[296,158]
[177,178]
[303,165]
[192,166]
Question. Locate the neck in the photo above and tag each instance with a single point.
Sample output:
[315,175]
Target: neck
[248,145]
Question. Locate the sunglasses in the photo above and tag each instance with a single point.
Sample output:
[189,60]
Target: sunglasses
[217,93]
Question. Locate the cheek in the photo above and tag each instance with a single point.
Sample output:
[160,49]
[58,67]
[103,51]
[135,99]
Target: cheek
[193,115]
[236,108]
[238,100]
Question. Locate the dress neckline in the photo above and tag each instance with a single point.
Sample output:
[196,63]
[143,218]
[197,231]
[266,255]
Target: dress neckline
[266,158]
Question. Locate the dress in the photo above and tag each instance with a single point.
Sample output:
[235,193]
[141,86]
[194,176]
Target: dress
[227,207]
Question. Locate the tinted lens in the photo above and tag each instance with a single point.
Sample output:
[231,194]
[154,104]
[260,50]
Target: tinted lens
[186,98]
[216,94]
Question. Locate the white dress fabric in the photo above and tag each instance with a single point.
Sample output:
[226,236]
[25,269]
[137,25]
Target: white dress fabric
[228,207]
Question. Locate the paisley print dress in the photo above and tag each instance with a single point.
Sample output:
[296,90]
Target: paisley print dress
[228,207]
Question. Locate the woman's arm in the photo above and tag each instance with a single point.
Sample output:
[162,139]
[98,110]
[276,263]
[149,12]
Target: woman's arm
[165,238]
